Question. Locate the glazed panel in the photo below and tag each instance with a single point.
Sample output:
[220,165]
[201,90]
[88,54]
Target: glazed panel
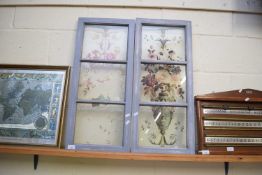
[163,83]
[163,43]
[162,127]
[103,42]
[99,124]
[100,81]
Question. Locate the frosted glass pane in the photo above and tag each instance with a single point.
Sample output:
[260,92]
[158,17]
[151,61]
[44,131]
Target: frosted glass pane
[163,83]
[102,81]
[162,127]
[99,124]
[105,42]
[163,43]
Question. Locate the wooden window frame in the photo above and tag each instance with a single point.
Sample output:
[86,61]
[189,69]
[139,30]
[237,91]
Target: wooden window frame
[71,116]
[132,84]
[189,105]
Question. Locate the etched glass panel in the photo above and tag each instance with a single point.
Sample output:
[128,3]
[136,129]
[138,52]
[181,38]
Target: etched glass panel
[103,42]
[163,83]
[99,124]
[163,43]
[102,81]
[162,127]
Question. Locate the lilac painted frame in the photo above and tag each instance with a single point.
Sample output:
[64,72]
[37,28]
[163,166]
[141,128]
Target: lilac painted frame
[189,105]
[70,122]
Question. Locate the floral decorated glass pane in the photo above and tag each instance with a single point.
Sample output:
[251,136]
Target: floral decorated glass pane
[102,81]
[103,42]
[163,83]
[99,124]
[162,127]
[163,43]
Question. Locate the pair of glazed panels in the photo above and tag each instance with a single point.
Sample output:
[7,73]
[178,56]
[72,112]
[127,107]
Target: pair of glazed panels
[131,87]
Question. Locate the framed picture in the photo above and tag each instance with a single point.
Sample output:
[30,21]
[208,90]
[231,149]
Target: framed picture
[32,104]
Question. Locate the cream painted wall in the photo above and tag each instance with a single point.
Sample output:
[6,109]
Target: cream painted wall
[227,54]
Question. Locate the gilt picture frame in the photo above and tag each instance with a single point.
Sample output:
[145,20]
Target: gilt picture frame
[32,104]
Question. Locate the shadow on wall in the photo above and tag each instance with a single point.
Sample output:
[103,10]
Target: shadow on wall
[255,5]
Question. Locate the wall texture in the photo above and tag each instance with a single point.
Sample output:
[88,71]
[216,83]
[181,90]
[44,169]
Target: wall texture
[227,54]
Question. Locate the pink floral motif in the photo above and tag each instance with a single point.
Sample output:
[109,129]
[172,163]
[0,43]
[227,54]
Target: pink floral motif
[150,84]
[87,86]
[150,80]
[106,49]
[95,54]
[110,56]
[152,54]
[162,80]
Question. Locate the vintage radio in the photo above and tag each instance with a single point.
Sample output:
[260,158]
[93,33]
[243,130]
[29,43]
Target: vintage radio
[230,122]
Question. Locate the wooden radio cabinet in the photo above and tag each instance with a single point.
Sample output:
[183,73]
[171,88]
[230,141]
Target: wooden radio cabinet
[230,122]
